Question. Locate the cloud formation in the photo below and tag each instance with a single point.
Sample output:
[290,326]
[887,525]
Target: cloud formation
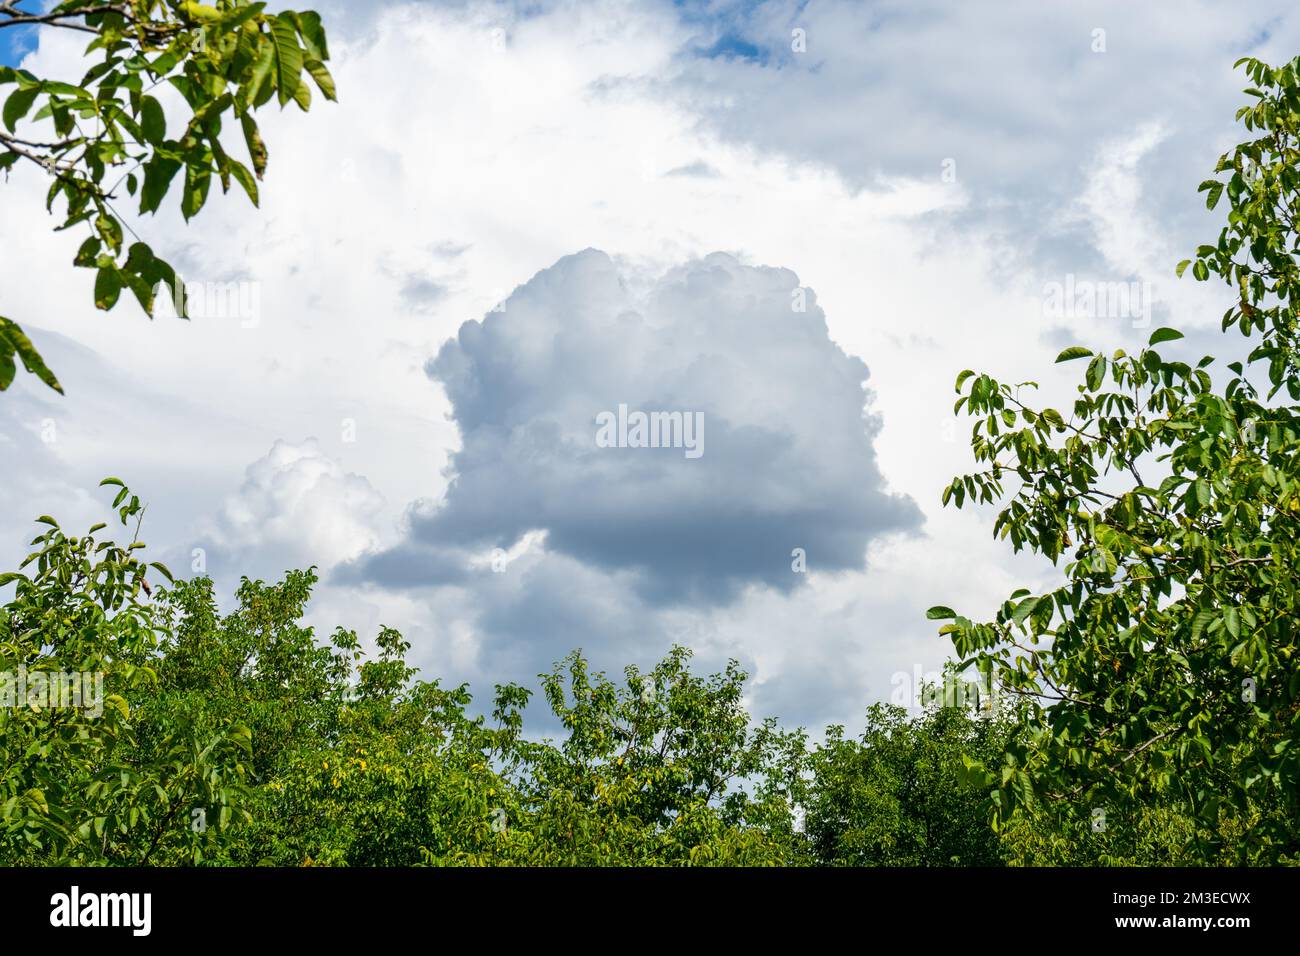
[786,461]
[296,507]
[1010,94]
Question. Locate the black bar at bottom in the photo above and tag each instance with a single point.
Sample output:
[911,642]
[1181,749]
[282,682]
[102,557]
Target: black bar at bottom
[943,905]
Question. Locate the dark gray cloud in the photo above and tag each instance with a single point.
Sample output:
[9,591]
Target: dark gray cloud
[786,458]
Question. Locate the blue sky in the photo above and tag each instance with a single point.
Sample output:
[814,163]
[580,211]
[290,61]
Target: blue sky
[16,41]
[519,217]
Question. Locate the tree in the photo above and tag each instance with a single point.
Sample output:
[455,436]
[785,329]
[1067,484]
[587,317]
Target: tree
[1164,668]
[899,796]
[78,782]
[241,738]
[667,769]
[109,131]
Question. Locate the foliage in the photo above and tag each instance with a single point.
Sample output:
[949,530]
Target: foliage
[666,769]
[1163,670]
[1159,834]
[899,796]
[240,738]
[78,786]
[109,131]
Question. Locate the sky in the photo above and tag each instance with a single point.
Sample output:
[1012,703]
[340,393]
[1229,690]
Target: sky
[794,223]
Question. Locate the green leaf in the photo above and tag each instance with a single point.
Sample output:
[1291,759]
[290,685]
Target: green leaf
[1202,489]
[108,286]
[256,147]
[1232,621]
[89,251]
[1024,609]
[302,96]
[940,613]
[198,179]
[14,342]
[17,105]
[288,58]
[1072,353]
[324,80]
[141,289]
[242,176]
[313,35]
[110,230]
[1215,189]
[1200,621]
[153,124]
[1164,334]
[250,94]
[1096,373]
[158,175]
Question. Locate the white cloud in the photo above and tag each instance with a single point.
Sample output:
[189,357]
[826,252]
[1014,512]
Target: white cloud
[297,507]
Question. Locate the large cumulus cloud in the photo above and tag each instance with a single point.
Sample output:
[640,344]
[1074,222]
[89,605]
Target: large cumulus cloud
[787,457]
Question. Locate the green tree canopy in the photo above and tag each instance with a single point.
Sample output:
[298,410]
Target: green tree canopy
[1164,667]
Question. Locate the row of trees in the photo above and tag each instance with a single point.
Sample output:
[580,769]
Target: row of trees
[243,739]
